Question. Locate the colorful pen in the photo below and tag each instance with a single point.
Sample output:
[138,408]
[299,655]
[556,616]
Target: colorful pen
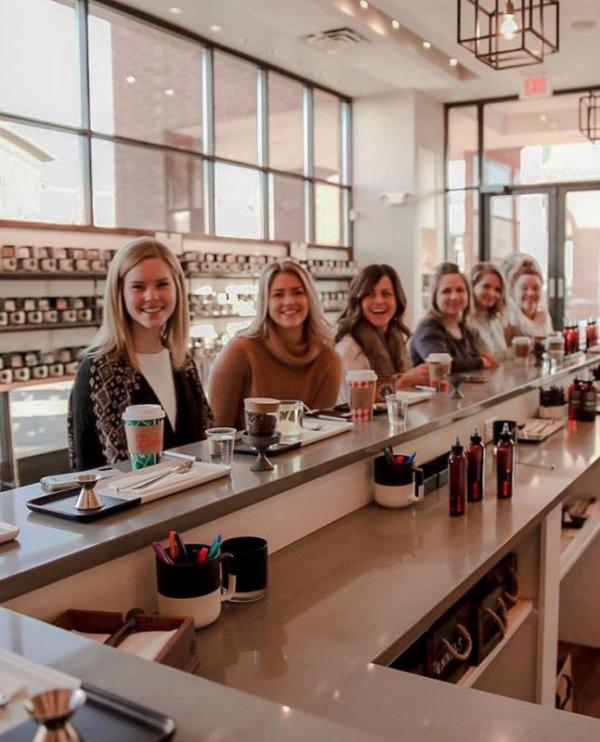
[173,546]
[201,555]
[160,552]
[214,547]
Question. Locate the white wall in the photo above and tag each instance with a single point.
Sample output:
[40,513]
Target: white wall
[398,147]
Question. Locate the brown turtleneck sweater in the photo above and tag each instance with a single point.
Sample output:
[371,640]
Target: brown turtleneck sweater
[248,367]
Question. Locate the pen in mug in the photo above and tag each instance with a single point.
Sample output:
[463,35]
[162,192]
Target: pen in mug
[160,552]
[214,547]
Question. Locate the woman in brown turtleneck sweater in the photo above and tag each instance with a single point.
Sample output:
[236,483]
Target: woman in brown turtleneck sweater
[286,353]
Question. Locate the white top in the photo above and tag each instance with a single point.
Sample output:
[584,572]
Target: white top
[539,326]
[491,332]
[158,372]
[353,359]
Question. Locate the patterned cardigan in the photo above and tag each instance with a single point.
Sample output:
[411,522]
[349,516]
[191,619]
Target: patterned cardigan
[104,387]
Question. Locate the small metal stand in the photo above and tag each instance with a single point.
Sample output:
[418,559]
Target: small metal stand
[261,443]
[455,381]
[52,711]
[88,499]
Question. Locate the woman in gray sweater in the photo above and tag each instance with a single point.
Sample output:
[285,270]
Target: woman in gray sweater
[444,328]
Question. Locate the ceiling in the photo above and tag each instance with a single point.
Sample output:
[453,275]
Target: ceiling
[273,30]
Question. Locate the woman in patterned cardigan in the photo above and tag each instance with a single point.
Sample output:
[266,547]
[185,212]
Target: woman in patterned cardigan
[139,356]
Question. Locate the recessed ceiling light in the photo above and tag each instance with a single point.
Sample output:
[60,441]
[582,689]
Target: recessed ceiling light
[582,25]
[169,91]
[395,23]
[215,28]
[130,79]
[453,61]
[427,45]
[543,118]
[175,10]
[364,4]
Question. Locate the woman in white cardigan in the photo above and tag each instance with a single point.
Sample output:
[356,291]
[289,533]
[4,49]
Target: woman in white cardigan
[489,308]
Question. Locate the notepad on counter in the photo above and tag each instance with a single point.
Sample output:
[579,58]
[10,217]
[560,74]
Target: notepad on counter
[536,430]
[326,429]
[415,396]
[123,487]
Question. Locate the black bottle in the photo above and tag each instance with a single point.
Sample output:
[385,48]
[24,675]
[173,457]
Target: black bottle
[505,464]
[475,467]
[457,475]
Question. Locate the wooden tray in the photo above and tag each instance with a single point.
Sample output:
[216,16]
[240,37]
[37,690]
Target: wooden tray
[62,505]
[105,716]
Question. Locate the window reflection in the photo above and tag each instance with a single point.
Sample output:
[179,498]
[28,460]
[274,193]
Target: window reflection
[235,96]
[39,64]
[463,231]
[41,177]
[286,208]
[237,201]
[328,210]
[327,136]
[286,146]
[146,188]
[462,159]
[153,89]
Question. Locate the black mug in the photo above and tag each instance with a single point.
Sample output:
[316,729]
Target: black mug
[250,566]
[398,484]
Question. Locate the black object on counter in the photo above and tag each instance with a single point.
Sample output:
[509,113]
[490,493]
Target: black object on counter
[505,464]
[457,475]
[475,467]
[62,505]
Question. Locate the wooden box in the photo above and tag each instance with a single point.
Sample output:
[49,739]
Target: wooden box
[179,652]
[491,615]
[450,644]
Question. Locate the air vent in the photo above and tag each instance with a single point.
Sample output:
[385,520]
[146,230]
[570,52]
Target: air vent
[336,40]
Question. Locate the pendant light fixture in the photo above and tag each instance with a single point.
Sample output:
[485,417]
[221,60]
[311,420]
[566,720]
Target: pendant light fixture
[509,33]
[589,115]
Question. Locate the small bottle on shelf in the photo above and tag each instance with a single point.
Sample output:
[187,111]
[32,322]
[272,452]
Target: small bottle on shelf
[475,467]
[589,400]
[575,399]
[505,464]
[457,476]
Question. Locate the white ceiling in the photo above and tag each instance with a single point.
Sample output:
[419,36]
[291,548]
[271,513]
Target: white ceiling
[272,30]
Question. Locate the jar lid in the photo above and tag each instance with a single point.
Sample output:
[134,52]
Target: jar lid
[439,358]
[364,375]
[144,412]
[261,404]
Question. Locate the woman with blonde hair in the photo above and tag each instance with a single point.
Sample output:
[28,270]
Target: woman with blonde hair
[286,353]
[489,307]
[371,330]
[527,311]
[444,329]
[138,356]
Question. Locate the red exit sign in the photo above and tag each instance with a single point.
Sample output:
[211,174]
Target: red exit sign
[537,86]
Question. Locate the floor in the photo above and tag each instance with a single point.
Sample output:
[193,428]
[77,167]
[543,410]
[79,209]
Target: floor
[586,678]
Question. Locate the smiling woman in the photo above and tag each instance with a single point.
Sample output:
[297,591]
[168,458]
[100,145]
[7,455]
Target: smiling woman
[139,356]
[286,353]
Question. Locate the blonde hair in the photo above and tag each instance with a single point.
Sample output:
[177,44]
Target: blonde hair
[446,269]
[526,267]
[478,271]
[114,338]
[316,326]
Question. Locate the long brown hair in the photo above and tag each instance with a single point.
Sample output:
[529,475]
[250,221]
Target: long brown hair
[114,337]
[363,285]
[446,269]
[316,326]
[478,271]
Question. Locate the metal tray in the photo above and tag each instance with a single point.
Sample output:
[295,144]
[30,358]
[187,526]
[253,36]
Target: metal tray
[275,450]
[105,716]
[62,505]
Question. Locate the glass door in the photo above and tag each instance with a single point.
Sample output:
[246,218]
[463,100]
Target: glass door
[579,291]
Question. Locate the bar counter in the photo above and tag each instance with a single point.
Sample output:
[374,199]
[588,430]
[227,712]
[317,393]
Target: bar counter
[343,600]
[50,549]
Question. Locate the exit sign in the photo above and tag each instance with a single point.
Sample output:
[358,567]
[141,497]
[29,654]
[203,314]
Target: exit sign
[537,86]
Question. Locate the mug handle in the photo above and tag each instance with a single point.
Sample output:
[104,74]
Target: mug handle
[419,493]
[229,592]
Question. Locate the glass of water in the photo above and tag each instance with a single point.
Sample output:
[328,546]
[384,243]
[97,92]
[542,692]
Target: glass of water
[397,408]
[221,442]
[291,417]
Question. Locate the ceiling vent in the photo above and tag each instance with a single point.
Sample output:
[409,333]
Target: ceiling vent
[336,40]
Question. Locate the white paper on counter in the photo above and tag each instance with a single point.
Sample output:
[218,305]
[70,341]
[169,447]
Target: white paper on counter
[25,679]
[327,429]
[199,473]
[146,644]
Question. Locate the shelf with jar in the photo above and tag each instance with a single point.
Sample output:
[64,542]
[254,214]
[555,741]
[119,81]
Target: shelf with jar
[49,313]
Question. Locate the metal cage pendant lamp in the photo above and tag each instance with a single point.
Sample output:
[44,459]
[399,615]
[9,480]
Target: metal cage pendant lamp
[509,33]
[589,115]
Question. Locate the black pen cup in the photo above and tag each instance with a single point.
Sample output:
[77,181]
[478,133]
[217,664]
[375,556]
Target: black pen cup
[398,483]
[250,566]
[193,589]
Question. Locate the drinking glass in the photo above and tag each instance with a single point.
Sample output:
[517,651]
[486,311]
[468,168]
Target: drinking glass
[397,408]
[221,442]
[290,418]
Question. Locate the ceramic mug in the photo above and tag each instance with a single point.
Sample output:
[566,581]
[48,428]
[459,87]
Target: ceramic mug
[195,590]
[398,484]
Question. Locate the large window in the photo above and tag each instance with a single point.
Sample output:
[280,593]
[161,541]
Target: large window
[156,130]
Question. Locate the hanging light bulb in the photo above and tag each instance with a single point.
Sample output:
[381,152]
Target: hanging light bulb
[509,27]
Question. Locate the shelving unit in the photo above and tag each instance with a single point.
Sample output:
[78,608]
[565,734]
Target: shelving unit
[517,616]
[575,541]
[52,326]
